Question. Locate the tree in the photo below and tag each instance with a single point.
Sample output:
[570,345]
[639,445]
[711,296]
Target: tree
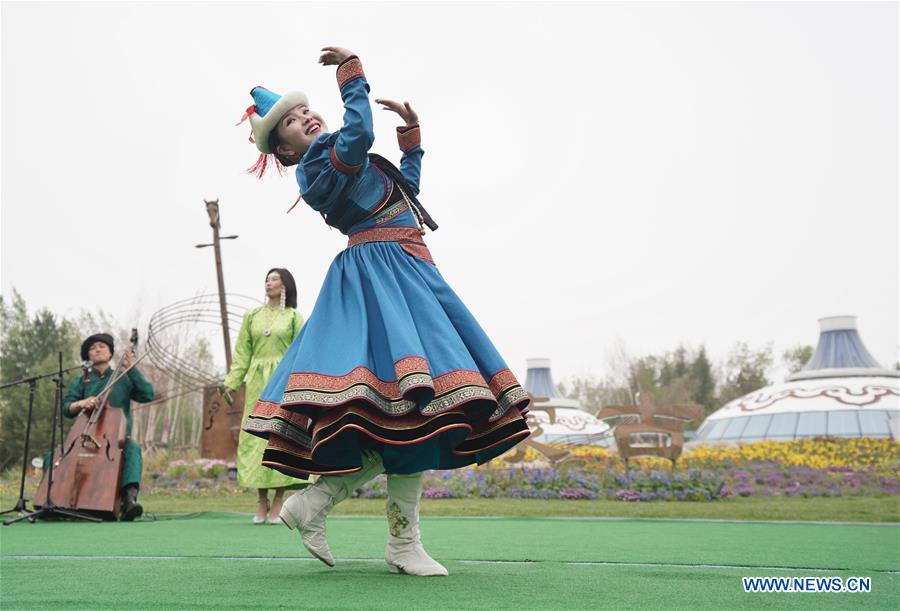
[594,393]
[679,376]
[798,356]
[174,419]
[746,370]
[702,373]
[30,347]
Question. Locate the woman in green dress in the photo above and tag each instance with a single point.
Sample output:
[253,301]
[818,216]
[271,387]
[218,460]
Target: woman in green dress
[265,335]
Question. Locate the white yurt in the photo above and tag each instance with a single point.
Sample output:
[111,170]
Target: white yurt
[841,392]
[554,418]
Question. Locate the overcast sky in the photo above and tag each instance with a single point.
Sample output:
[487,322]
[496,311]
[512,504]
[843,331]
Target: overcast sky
[635,174]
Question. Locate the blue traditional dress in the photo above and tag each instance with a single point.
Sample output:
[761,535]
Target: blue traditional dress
[390,359]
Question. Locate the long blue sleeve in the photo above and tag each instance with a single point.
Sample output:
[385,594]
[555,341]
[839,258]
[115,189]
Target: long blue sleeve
[356,136]
[410,140]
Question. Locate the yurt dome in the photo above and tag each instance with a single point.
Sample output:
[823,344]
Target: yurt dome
[841,392]
[554,418]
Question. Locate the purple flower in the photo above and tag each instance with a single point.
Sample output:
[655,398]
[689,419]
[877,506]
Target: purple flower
[437,493]
[628,495]
[842,469]
[577,493]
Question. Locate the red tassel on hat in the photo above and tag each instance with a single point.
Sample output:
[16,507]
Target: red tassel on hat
[250,110]
[262,164]
[259,168]
[299,197]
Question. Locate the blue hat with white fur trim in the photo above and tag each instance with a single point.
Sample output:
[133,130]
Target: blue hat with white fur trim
[267,109]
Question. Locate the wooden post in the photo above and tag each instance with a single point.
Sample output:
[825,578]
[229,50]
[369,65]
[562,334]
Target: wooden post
[221,422]
[212,209]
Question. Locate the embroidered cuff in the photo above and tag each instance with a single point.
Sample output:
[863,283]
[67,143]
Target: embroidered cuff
[343,167]
[348,70]
[409,137]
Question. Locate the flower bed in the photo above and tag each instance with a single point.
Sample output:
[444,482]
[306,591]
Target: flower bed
[569,482]
[188,475]
[765,479]
[816,453]
[804,468]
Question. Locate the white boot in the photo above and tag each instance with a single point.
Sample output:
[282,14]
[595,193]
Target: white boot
[405,553]
[308,508]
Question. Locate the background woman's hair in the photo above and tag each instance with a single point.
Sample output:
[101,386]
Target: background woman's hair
[290,286]
[274,141]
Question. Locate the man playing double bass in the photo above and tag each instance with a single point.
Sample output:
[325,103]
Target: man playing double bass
[82,395]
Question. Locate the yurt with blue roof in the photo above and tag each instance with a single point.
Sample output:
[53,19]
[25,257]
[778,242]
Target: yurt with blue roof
[841,392]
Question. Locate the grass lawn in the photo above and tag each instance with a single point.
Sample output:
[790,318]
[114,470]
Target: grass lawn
[222,561]
[850,509]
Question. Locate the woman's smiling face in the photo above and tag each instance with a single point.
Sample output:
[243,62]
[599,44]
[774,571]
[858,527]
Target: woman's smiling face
[297,129]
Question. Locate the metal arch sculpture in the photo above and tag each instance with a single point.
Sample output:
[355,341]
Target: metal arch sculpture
[202,309]
[648,429]
[221,422]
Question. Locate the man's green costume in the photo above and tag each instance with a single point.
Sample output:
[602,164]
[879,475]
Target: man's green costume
[132,387]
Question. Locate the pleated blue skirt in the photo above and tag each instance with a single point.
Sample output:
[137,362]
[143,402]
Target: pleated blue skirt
[389,360]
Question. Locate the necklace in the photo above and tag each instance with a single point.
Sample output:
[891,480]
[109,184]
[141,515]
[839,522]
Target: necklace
[270,320]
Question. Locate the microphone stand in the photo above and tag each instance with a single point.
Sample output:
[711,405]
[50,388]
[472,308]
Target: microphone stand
[22,502]
[49,510]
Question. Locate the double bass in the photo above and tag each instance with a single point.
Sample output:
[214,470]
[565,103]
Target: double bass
[87,468]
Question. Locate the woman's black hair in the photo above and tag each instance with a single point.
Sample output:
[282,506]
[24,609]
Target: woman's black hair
[290,286]
[273,142]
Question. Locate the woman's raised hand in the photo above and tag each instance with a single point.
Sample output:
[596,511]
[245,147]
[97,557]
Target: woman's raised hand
[332,56]
[404,110]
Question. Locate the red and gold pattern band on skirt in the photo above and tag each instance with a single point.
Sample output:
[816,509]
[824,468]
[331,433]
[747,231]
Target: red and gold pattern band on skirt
[479,418]
[409,238]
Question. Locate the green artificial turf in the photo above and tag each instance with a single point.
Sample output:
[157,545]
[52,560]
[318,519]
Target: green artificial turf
[844,509]
[222,561]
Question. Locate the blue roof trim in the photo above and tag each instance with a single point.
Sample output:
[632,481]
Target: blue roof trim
[539,382]
[840,350]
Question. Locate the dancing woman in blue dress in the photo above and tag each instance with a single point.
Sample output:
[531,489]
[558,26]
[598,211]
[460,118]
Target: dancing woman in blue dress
[391,373]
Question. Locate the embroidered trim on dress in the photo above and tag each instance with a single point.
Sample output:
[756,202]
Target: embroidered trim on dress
[483,441]
[390,212]
[446,392]
[342,167]
[409,137]
[280,428]
[349,69]
[409,238]
[489,415]
[329,383]
[512,397]
[270,409]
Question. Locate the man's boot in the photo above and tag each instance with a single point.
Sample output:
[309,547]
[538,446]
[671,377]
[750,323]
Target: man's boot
[131,509]
[405,553]
[306,510]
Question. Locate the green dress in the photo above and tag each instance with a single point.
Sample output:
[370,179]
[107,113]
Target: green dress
[256,354]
